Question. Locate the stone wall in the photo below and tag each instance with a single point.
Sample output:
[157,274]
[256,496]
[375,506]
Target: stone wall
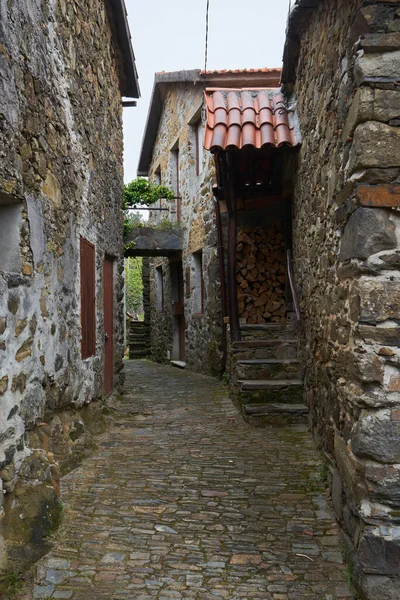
[346,249]
[60,178]
[182,109]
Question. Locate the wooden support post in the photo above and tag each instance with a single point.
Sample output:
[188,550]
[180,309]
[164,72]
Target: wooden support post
[227,171]
[232,285]
[221,260]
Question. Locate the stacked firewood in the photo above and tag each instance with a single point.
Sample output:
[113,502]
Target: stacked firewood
[261,275]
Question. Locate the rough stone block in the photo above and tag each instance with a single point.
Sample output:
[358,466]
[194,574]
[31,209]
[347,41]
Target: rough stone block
[379,195]
[375,145]
[361,110]
[377,67]
[52,189]
[377,440]
[386,105]
[370,368]
[376,587]
[379,555]
[379,300]
[383,483]
[367,231]
[380,42]
[388,336]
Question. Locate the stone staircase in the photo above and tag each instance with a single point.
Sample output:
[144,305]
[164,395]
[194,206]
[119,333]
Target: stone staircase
[139,339]
[265,374]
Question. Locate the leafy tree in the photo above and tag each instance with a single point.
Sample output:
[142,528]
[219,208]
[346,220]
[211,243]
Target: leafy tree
[134,284]
[142,192]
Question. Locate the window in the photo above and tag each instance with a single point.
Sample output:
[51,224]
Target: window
[175,170]
[10,227]
[198,290]
[157,181]
[157,176]
[198,130]
[88,298]
[174,162]
[160,290]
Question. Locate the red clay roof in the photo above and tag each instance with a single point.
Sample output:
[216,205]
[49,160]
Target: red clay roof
[239,118]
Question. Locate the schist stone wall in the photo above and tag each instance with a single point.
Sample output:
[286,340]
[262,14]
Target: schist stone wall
[347,253]
[60,178]
[177,131]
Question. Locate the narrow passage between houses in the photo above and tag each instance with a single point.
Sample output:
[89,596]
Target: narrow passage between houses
[186,500]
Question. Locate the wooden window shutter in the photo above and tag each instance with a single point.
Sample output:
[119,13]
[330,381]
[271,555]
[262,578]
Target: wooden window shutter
[88,298]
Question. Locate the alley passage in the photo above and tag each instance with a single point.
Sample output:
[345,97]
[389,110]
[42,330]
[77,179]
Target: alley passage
[185,500]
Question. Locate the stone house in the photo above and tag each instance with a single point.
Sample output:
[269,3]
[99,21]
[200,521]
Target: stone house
[323,200]
[64,67]
[185,314]
[342,62]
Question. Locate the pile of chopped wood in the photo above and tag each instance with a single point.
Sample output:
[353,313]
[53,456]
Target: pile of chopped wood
[261,275]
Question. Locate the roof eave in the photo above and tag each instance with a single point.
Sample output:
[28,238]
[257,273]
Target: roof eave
[297,19]
[130,83]
[161,81]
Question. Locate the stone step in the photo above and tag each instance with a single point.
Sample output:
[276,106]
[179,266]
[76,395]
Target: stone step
[264,349]
[261,410]
[267,331]
[267,384]
[268,369]
[261,343]
[283,391]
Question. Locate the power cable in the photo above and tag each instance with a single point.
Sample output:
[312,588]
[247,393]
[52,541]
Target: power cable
[206,47]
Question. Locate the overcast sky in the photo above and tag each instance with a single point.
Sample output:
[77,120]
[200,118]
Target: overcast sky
[170,36]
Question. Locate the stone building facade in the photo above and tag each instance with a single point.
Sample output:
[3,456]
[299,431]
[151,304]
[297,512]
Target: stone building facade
[342,60]
[186,321]
[64,67]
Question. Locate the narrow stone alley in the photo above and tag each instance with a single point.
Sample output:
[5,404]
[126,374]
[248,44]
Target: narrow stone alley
[185,500]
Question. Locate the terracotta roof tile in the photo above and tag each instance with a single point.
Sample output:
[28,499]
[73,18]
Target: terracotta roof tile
[223,71]
[239,118]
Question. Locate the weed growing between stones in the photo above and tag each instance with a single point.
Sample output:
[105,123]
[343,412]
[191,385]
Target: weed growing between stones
[57,518]
[324,473]
[10,585]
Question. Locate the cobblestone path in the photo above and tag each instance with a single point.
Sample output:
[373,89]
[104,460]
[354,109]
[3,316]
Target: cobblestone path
[185,500]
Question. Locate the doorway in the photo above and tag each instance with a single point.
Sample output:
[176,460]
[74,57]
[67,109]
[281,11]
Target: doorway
[108,325]
[178,317]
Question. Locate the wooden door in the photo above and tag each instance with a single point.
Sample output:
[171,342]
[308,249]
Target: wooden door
[181,318]
[178,318]
[108,326]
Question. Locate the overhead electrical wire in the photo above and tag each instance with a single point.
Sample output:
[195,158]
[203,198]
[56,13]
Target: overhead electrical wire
[206,45]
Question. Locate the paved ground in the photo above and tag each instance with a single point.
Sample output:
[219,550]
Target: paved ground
[184,500]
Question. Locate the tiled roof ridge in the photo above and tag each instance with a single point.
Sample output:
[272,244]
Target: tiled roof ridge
[228,71]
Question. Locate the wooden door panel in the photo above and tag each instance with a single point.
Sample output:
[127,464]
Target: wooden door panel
[108,326]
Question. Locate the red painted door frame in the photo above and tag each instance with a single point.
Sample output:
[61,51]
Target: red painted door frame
[108,280]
